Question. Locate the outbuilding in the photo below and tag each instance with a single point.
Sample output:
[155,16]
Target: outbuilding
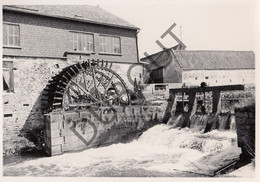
[191,68]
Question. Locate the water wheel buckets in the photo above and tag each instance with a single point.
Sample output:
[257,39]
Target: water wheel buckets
[83,85]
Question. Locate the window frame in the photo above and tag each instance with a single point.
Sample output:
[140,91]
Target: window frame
[13,35]
[11,74]
[72,33]
[101,44]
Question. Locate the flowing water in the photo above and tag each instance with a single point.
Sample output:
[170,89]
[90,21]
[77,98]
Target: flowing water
[160,151]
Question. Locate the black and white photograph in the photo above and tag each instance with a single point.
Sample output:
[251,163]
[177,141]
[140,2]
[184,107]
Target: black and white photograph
[129,89]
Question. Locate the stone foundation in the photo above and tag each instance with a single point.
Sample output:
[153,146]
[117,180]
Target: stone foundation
[22,108]
[245,122]
[72,131]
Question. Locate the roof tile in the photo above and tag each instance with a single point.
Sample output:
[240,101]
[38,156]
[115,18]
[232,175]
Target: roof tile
[89,13]
[212,60]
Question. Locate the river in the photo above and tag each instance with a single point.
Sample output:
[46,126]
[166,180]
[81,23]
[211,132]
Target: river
[160,151]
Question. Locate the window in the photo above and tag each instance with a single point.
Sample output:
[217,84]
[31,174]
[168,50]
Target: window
[206,77]
[8,76]
[160,87]
[83,42]
[110,45]
[11,35]
[196,78]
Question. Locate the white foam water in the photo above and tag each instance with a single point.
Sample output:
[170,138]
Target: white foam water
[160,151]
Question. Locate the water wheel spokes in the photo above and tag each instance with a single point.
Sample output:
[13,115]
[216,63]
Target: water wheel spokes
[85,84]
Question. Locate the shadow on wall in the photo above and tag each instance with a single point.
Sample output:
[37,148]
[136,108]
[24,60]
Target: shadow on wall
[33,128]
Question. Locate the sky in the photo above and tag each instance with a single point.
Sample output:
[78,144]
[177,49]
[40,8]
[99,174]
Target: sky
[201,24]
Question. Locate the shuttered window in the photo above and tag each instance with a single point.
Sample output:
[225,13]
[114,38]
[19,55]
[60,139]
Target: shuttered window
[11,35]
[110,44]
[82,42]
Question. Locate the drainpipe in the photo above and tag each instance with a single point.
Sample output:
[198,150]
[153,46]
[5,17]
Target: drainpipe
[137,51]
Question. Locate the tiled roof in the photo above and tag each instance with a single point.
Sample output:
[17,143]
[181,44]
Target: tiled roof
[91,14]
[203,60]
[215,60]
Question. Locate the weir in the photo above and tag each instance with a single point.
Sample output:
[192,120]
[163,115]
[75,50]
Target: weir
[194,117]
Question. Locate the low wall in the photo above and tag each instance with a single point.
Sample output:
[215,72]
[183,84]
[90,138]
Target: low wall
[245,122]
[71,131]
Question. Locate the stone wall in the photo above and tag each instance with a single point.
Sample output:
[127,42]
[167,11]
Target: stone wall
[245,123]
[72,131]
[23,112]
[22,107]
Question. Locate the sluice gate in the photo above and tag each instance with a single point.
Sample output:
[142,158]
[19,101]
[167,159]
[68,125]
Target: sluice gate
[193,113]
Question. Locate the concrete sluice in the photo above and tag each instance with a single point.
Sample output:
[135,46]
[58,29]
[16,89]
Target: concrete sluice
[203,123]
[232,122]
[198,122]
[193,113]
[177,120]
[224,122]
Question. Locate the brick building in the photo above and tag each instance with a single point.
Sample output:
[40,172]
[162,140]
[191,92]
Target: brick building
[38,41]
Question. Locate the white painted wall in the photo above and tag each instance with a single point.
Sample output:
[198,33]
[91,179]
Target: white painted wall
[218,77]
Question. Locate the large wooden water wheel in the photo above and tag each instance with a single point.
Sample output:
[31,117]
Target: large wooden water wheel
[79,86]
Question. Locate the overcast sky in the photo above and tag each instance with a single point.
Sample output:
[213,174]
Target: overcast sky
[206,24]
